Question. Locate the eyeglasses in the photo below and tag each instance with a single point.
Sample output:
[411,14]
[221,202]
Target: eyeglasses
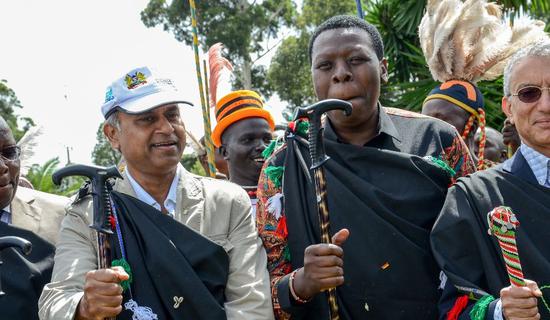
[11,153]
[530,94]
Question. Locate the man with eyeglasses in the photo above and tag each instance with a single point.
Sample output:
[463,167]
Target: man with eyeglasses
[479,285]
[34,216]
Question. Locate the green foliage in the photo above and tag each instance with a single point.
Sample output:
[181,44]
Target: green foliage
[294,87]
[242,26]
[314,12]
[8,105]
[397,20]
[192,164]
[103,154]
[410,80]
[40,177]
[290,72]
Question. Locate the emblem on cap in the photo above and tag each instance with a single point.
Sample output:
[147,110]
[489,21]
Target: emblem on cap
[109,95]
[135,80]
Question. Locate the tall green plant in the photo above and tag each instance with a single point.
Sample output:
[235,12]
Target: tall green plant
[40,177]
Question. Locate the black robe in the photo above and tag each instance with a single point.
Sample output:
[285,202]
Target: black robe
[389,202]
[23,277]
[169,261]
[470,257]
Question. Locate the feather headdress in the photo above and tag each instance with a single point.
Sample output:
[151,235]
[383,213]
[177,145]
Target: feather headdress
[217,64]
[470,40]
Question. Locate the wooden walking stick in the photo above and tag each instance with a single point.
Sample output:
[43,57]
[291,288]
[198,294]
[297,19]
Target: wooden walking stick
[318,158]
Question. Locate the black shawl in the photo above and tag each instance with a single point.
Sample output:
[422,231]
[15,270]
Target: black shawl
[169,261]
[23,277]
[389,201]
[469,256]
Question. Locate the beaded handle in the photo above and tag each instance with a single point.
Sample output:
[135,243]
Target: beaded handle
[503,225]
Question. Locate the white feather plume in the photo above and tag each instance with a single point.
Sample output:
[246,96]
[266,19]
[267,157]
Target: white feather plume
[28,143]
[469,40]
[195,144]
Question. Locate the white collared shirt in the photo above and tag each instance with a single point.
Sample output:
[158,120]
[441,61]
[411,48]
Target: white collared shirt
[169,202]
[6,217]
[539,164]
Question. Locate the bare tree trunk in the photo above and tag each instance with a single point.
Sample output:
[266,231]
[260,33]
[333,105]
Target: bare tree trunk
[246,68]
[246,72]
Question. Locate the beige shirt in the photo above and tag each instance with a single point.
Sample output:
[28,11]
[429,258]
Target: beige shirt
[38,212]
[217,209]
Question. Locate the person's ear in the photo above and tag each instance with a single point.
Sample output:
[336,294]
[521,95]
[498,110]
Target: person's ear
[384,70]
[112,134]
[506,106]
[223,152]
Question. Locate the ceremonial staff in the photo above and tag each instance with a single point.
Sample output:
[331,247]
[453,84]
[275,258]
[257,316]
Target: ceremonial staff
[503,225]
[360,12]
[318,157]
[102,213]
[10,241]
[205,109]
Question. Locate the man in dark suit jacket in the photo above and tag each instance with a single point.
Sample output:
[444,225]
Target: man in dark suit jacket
[479,286]
[34,216]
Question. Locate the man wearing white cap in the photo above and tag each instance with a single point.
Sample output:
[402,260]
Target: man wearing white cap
[189,246]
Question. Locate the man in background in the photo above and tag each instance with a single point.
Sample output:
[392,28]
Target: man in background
[34,216]
[243,131]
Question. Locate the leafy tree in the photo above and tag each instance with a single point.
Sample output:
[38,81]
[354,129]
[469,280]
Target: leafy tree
[192,164]
[103,154]
[289,73]
[242,26]
[397,20]
[294,87]
[8,105]
[40,177]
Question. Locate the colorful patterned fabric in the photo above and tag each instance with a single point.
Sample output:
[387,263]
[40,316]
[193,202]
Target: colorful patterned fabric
[400,131]
[467,96]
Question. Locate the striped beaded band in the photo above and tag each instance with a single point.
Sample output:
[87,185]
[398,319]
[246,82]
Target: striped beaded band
[236,106]
[503,225]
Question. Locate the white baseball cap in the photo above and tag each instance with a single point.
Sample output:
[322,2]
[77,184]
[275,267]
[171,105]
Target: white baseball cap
[138,91]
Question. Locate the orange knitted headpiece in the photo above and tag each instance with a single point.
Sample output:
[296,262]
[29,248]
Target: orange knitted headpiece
[235,106]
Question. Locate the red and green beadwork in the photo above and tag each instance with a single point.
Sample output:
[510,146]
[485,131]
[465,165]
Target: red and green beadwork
[503,225]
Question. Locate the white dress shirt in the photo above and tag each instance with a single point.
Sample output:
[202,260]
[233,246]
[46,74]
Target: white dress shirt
[169,202]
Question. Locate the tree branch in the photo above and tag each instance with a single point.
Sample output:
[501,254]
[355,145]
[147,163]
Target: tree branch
[267,51]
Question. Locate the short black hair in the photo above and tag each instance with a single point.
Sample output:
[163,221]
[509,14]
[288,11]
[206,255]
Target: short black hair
[346,22]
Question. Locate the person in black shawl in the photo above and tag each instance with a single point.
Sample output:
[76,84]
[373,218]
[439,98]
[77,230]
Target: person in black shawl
[478,286]
[387,179]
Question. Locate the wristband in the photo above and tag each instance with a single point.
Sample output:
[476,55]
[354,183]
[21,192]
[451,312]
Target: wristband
[291,287]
